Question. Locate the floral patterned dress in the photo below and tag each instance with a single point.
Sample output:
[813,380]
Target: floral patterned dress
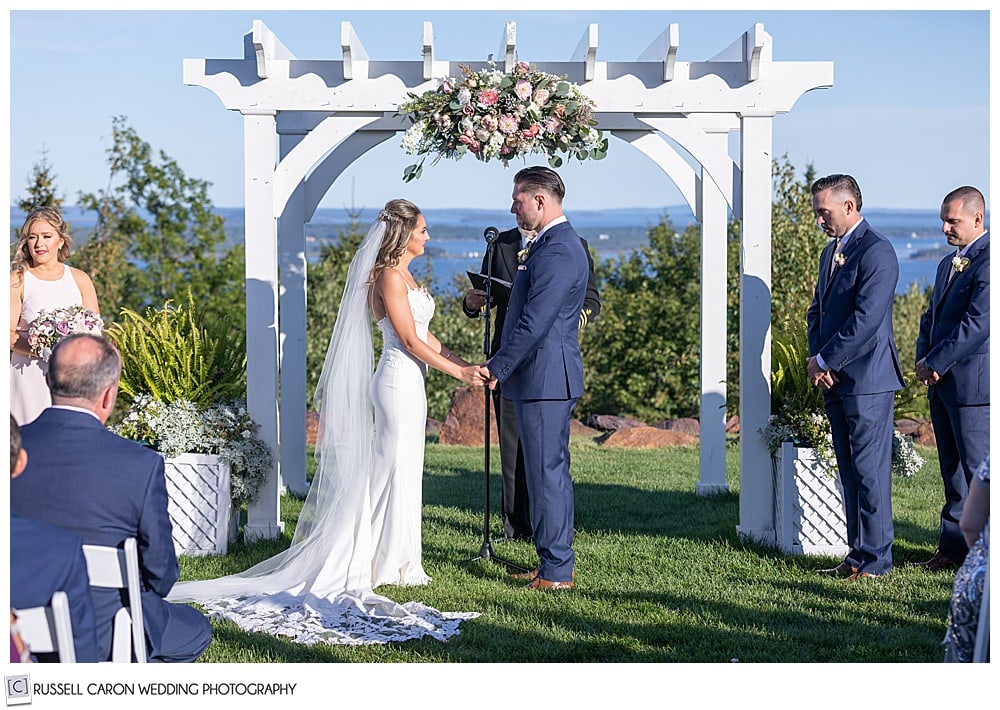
[967,594]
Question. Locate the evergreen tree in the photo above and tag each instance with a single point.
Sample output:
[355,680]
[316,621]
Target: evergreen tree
[41,187]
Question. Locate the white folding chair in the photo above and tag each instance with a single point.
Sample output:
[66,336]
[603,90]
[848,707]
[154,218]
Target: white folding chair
[118,568]
[49,629]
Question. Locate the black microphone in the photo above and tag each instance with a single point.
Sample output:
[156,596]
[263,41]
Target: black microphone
[491,234]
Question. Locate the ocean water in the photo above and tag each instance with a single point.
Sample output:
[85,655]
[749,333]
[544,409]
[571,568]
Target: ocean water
[910,231]
[461,255]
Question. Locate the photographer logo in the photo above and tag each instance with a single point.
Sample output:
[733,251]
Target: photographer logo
[18,689]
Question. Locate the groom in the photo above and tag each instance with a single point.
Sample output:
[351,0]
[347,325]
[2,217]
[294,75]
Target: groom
[539,364]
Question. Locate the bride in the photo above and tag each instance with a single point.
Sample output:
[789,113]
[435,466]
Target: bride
[360,525]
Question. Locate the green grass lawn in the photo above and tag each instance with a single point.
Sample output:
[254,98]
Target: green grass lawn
[661,577]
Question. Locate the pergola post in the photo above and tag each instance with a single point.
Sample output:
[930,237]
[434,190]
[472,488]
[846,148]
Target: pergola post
[260,156]
[756,487]
[713,217]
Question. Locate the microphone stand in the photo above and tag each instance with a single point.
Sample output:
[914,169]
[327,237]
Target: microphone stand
[486,549]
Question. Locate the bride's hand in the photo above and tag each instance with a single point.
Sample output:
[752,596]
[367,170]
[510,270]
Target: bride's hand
[471,374]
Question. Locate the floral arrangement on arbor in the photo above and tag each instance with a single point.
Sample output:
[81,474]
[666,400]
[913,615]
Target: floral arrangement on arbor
[497,115]
[226,430]
[50,326]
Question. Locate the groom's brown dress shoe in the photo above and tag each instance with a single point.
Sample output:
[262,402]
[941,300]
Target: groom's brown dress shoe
[842,570]
[539,583]
[530,574]
[938,561]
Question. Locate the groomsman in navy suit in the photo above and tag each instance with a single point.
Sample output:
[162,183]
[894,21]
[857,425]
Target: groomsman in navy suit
[953,360]
[87,479]
[853,358]
[538,364]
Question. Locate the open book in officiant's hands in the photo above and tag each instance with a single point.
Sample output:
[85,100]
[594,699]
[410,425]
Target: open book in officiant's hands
[499,289]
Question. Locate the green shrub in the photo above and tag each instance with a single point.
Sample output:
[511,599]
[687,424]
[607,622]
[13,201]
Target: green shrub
[171,353]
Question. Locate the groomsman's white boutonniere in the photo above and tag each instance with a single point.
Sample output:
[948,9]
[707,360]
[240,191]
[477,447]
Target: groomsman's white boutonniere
[522,256]
[839,259]
[958,263]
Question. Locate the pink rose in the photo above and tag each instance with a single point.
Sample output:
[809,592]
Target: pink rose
[446,86]
[531,131]
[522,68]
[469,141]
[553,125]
[540,96]
[487,97]
[468,109]
[523,89]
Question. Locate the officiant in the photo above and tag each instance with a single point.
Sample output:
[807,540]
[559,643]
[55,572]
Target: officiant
[511,248]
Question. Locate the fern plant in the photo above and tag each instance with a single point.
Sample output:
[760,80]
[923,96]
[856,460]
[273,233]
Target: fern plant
[797,409]
[171,354]
[184,382]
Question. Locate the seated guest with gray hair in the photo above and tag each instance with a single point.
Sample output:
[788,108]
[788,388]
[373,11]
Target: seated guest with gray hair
[104,488]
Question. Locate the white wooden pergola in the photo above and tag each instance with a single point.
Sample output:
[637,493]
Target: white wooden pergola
[306,121]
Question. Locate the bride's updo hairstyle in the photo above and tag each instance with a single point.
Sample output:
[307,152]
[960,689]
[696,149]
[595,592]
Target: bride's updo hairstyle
[400,217]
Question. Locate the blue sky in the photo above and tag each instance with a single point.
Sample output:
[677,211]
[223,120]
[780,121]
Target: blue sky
[908,114]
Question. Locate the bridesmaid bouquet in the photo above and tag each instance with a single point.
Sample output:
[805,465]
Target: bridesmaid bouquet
[52,325]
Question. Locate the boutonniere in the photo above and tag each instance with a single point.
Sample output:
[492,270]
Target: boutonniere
[839,259]
[958,263]
[522,256]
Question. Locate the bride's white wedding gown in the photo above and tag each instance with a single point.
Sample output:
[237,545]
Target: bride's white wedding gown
[365,533]
[398,463]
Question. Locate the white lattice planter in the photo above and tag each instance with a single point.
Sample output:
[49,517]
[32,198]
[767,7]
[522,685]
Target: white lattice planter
[199,505]
[809,514]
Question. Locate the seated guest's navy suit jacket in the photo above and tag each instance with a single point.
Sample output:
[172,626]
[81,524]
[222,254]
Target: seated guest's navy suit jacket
[87,479]
[45,559]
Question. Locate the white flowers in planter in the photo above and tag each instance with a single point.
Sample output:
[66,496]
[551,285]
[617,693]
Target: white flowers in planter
[812,430]
[179,427]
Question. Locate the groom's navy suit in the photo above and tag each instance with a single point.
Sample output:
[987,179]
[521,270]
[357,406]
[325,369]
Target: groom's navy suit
[954,340]
[514,493]
[540,369]
[92,482]
[850,326]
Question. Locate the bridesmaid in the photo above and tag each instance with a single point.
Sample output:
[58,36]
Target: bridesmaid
[40,280]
